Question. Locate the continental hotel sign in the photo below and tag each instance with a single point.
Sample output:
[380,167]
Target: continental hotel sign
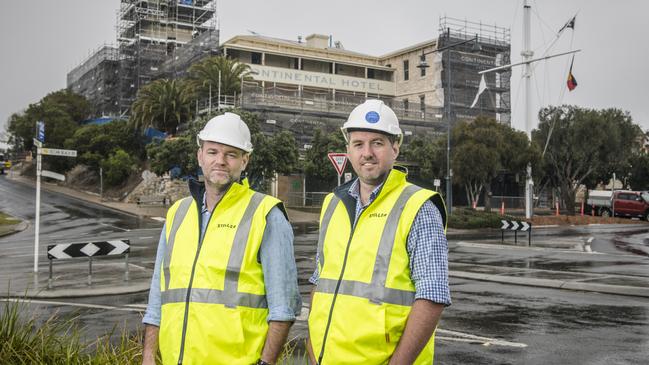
[322,80]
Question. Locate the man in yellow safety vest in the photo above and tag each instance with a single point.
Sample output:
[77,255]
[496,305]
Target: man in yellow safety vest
[381,281]
[224,289]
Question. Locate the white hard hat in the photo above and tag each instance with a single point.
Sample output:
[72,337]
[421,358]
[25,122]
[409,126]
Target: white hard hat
[373,115]
[227,129]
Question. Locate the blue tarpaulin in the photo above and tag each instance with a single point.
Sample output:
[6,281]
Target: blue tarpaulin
[151,134]
[99,121]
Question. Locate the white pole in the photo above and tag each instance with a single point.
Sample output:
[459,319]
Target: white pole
[209,101]
[527,55]
[38,208]
[218,102]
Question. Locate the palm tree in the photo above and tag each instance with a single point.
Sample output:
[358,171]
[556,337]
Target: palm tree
[205,73]
[162,104]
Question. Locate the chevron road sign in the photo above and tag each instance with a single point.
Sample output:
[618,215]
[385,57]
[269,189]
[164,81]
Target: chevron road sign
[102,248]
[516,226]
[89,250]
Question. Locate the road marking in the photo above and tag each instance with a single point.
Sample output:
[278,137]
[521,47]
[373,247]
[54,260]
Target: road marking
[109,225]
[71,304]
[467,337]
[146,238]
[159,219]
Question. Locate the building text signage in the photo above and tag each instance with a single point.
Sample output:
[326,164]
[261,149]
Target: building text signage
[323,80]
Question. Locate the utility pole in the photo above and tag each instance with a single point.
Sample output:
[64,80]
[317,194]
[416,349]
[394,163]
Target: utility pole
[527,54]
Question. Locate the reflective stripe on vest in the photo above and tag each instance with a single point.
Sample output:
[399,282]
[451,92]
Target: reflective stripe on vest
[178,219]
[375,291]
[325,226]
[229,296]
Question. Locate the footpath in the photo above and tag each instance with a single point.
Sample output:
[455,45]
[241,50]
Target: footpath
[555,259]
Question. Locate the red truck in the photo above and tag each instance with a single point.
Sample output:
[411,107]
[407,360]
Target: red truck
[623,203]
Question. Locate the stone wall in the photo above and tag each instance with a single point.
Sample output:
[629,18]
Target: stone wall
[153,186]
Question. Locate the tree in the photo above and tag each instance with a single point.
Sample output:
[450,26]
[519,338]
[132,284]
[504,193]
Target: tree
[316,163]
[583,146]
[95,143]
[62,111]
[204,75]
[163,104]
[429,154]
[276,154]
[482,148]
[639,171]
[178,152]
[118,167]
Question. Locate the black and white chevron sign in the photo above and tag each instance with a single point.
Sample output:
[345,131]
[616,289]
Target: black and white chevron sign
[515,226]
[88,249]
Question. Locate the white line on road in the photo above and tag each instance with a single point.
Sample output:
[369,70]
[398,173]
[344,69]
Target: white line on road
[146,238]
[159,219]
[109,225]
[81,305]
[467,337]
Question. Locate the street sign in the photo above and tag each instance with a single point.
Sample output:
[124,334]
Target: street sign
[437,183]
[37,143]
[58,152]
[339,160]
[88,249]
[53,175]
[516,226]
[348,176]
[40,131]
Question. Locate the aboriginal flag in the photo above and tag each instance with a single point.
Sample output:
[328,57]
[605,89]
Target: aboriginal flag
[572,81]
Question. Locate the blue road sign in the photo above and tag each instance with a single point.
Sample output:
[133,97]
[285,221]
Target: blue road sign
[40,127]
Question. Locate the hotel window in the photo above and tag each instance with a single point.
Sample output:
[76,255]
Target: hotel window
[255,58]
[405,70]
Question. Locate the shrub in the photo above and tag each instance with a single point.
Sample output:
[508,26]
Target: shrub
[464,218]
[118,167]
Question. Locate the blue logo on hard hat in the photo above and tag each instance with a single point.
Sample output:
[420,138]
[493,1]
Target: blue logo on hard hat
[372,117]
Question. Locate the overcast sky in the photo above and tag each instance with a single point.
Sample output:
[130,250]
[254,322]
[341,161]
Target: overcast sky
[43,40]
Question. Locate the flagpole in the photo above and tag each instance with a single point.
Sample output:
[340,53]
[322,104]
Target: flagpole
[505,67]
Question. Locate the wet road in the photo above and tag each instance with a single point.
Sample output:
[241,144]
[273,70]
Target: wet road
[557,326]
[488,323]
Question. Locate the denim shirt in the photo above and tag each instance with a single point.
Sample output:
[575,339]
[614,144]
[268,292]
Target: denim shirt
[427,250]
[277,261]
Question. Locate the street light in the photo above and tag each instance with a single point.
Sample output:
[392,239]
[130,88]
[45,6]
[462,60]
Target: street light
[423,65]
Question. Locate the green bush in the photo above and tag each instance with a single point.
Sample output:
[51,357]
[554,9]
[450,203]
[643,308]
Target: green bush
[56,341]
[464,218]
[118,167]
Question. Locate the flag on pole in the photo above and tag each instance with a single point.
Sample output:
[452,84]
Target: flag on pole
[570,24]
[481,88]
[572,82]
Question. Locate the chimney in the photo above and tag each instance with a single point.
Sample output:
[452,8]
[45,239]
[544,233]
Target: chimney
[317,41]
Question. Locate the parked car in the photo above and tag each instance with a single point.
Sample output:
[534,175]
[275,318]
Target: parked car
[620,203]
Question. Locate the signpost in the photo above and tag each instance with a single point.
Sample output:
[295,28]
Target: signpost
[437,184]
[339,160]
[40,151]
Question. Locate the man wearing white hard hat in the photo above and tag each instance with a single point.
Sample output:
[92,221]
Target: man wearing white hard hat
[224,289]
[381,277]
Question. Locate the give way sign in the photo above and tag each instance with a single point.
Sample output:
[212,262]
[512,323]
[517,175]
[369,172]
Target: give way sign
[339,160]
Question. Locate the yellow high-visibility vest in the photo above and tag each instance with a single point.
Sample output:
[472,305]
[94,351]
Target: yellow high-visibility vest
[364,294]
[213,298]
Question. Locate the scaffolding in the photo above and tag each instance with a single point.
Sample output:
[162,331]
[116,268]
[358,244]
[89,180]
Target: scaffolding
[96,79]
[495,44]
[150,33]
